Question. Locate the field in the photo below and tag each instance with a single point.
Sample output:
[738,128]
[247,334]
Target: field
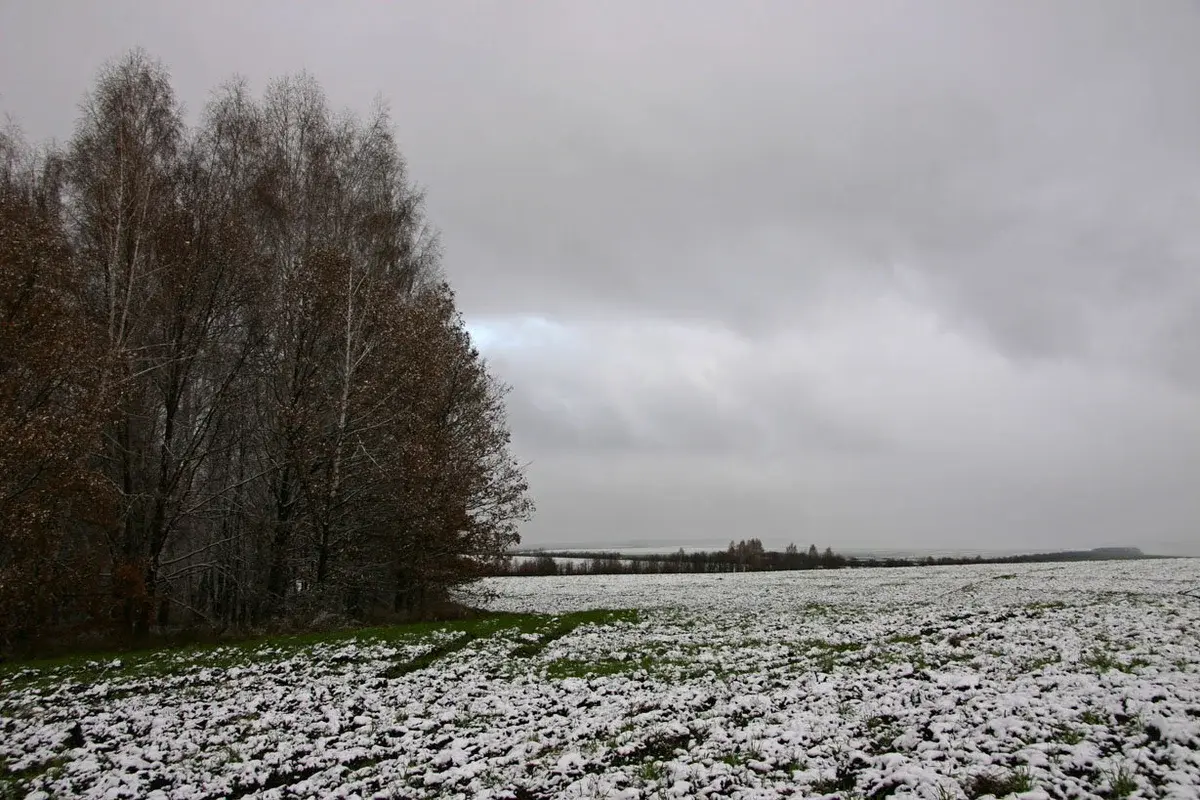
[1040,681]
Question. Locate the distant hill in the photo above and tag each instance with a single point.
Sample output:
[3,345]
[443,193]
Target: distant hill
[1118,552]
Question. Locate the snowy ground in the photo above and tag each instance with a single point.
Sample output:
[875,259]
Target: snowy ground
[1037,681]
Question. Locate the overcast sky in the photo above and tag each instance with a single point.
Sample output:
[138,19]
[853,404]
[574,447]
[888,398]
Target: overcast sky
[864,274]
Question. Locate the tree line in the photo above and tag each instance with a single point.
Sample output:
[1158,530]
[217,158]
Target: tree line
[749,555]
[234,386]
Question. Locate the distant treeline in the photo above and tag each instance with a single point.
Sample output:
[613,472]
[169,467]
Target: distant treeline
[749,555]
[745,556]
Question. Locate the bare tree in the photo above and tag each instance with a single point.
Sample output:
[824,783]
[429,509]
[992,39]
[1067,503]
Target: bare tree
[123,168]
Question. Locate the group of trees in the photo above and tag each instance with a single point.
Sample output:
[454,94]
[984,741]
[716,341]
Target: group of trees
[748,555]
[233,385]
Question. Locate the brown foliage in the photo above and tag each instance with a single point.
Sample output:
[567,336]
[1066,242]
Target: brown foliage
[51,405]
[235,387]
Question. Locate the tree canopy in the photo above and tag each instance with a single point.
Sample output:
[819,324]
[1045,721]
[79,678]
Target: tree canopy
[233,383]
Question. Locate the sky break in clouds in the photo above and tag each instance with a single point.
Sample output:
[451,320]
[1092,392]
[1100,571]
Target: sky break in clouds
[870,275]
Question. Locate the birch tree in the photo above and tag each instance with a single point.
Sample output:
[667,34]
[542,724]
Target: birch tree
[247,323]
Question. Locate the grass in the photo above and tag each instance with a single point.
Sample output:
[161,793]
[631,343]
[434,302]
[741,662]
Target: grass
[792,765]
[882,730]
[15,783]
[999,784]
[1068,735]
[832,647]
[1099,660]
[569,668]
[1134,663]
[1050,605]
[844,780]
[908,638]
[651,771]
[150,663]
[567,623]
[1121,783]
[526,637]
[656,749]
[1103,660]
[1035,664]
[944,792]
[826,656]
[229,653]
[429,657]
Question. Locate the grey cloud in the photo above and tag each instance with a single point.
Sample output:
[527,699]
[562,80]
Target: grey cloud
[567,411]
[888,273]
[1035,164]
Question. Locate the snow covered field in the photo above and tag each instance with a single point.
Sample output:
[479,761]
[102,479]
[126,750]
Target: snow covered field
[1051,680]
